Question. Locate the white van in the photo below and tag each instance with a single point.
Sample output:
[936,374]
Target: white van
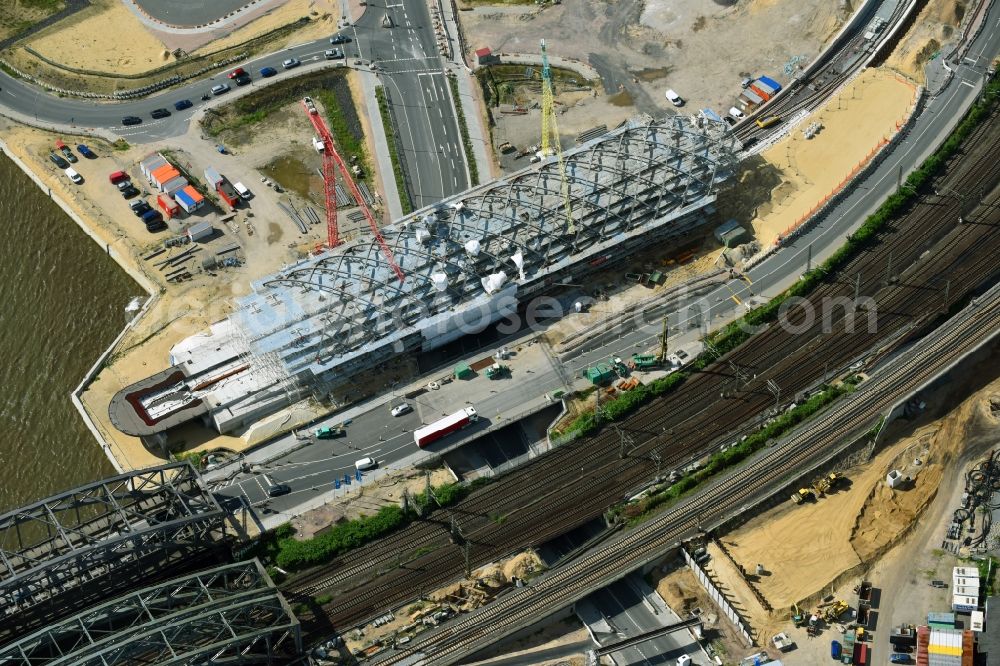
[242,190]
[674,98]
[365,464]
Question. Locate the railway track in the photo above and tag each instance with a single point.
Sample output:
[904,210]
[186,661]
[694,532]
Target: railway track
[688,422]
[931,356]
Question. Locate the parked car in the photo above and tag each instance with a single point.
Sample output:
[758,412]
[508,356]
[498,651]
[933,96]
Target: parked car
[243,191]
[116,177]
[237,72]
[279,489]
[122,184]
[131,120]
[220,88]
[153,227]
[736,113]
[74,176]
[400,409]
[267,72]
[130,191]
[86,152]
[58,161]
[140,207]
[243,79]
[159,113]
[290,63]
[66,152]
[674,98]
[897,658]
[333,54]
[365,464]
[182,104]
[729,120]
[151,216]
[339,39]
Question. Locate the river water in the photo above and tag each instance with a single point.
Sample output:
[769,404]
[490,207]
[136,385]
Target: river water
[63,302]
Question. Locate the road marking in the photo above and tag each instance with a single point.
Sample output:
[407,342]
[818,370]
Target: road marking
[966,83]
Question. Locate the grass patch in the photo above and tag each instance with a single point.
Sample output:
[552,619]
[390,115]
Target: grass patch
[464,129]
[290,554]
[390,140]
[193,457]
[120,145]
[988,572]
[350,141]
[43,5]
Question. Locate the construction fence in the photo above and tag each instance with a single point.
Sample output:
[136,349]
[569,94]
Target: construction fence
[742,626]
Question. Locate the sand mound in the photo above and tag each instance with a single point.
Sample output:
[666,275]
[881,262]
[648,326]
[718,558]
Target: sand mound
[935,25]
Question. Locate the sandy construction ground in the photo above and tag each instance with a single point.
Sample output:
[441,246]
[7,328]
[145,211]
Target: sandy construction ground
[810,549]
[700,48]
[935,26]
[90,40]
[86,41]
[855,123]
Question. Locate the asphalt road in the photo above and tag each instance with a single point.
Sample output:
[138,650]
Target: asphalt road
[624,607]
[312,469]
[407,61]
[423,112]
[189,12]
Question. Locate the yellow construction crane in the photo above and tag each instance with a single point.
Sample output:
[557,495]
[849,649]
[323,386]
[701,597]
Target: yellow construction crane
[550,136]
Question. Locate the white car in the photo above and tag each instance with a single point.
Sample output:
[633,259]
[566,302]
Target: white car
[674,98]
[74,176]
[403,408]
[291,62]
[736,113]
[365,464]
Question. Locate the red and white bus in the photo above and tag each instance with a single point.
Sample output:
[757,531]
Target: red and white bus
[442,427]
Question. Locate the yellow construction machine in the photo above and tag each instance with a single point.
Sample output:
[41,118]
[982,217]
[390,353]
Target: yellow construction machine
[803,494]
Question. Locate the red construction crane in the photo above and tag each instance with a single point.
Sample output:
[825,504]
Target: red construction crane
[331,158]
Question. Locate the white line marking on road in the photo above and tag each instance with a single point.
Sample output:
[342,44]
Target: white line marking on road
[966,83]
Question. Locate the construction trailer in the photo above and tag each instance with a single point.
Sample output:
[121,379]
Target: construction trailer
[168,205]
[199,231]
[189,198]
[227,193]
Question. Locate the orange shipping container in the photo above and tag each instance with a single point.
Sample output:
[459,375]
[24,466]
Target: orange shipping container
[760,91]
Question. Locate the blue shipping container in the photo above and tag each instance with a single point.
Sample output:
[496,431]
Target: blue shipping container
[771,82]
[184,198]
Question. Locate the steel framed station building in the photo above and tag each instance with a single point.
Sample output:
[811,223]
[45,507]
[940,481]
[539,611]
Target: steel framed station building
[468,261]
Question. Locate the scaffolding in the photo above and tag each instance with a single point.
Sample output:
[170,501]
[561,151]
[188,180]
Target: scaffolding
[313,325]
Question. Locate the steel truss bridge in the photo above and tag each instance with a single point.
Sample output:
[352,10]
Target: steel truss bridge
[232,614]
[81,546]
